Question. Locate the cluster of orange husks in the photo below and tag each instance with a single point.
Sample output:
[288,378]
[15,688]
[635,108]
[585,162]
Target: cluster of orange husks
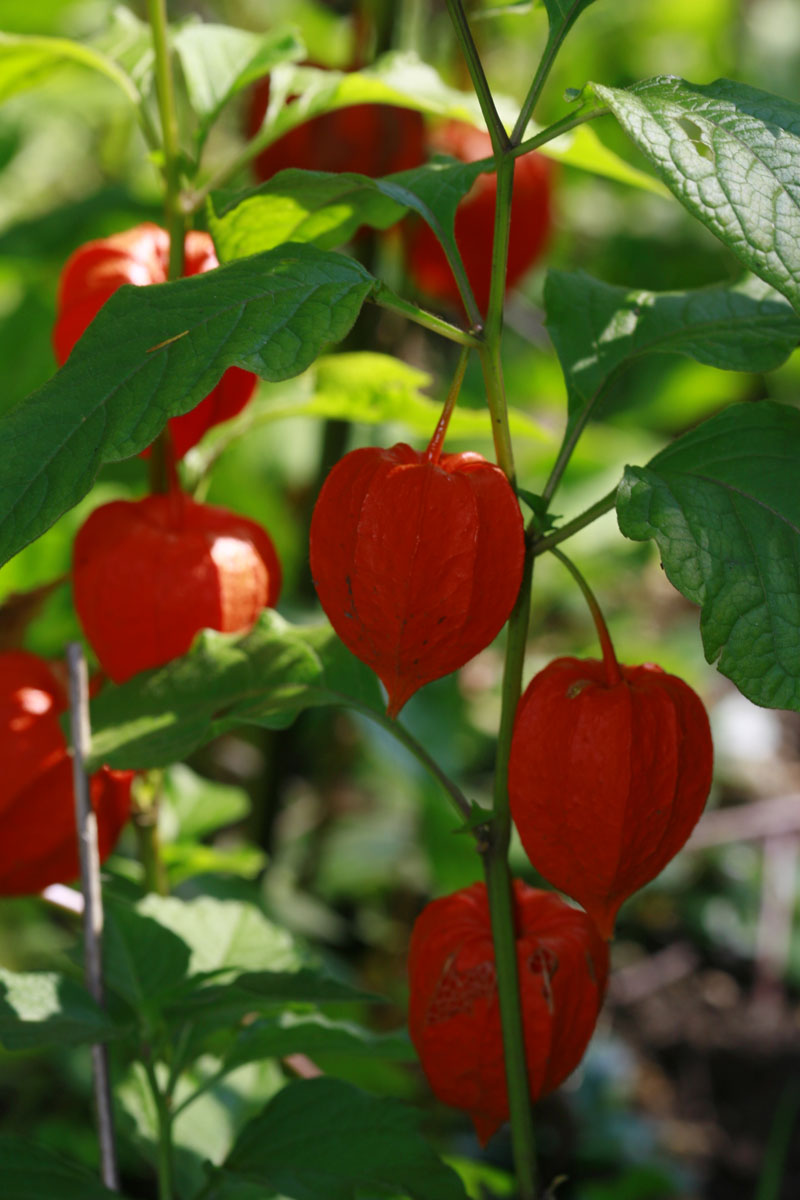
[417,559]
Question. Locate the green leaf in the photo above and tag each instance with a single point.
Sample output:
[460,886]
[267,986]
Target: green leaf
[314,1034]
[297,206]
[223,1004]
[482,1180]
[372,389]
[731,154]
[27,61]
[42,1008]
[583,149]
[598,329]
[722,503]
[219,60]
[155,352]
[561,15]
[30,1171]
[326,209]
[322,1139]
[200,806]
[211,961]
[399,78]
[163,945]
[264,677]
[185,860]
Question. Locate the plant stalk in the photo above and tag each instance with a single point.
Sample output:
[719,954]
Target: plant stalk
[491,116]
[554,44]
[495,848]
[86,824]
[164,1118]
[499,888]
[613,673]
[384,297]
[165,93]
[599,509]
[436,443]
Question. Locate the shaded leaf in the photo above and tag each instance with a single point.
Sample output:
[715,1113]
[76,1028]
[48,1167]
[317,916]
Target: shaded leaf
[372,389]
[199,805]
[599,329]
[298,206]
[163,945]
[722,503]
[314,1034]
[155,352]
[42,1008]
[27,61]
[264,991]
[322,1139]
[219,60]
[264,677]
[731,154]
[29,1171]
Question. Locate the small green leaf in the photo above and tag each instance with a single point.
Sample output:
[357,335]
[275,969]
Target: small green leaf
[264,677]
[199,805]
[731,154]
[322,1139]
[163,945]
[562,15]
[314,1034]
[219,60]
[723,504]
[27,61]
[154,352]
[297,206]
[185,860]
[42,1008]
[374,389]
[34,1172]
[598,330]
[398,78]
[478,815]
[220,1005]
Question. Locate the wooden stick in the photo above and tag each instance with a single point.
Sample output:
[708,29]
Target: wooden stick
[86,823]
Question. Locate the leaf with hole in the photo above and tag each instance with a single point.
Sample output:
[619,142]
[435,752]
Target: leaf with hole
[731,154]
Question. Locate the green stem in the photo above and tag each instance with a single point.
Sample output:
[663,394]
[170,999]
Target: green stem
[502,230]
[165,92]
[491,116]
[407,739]
[586,518]
[145,825]
[384,297]
[164,1120]
[613,673]
[161,466]
[571,435]
[499,888]
[495,847]
[540,78]
[434,450]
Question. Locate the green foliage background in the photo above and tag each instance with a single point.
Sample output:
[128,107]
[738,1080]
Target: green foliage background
[355,835]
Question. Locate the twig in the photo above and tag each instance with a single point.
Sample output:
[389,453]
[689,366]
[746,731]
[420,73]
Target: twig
[86,823]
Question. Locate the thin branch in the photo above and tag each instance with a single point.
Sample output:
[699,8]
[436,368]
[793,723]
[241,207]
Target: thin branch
[86,823]
[491,116]
[566,531]
[384,297]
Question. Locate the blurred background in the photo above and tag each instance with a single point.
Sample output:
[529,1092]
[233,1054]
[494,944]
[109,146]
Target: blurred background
[691,1087]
